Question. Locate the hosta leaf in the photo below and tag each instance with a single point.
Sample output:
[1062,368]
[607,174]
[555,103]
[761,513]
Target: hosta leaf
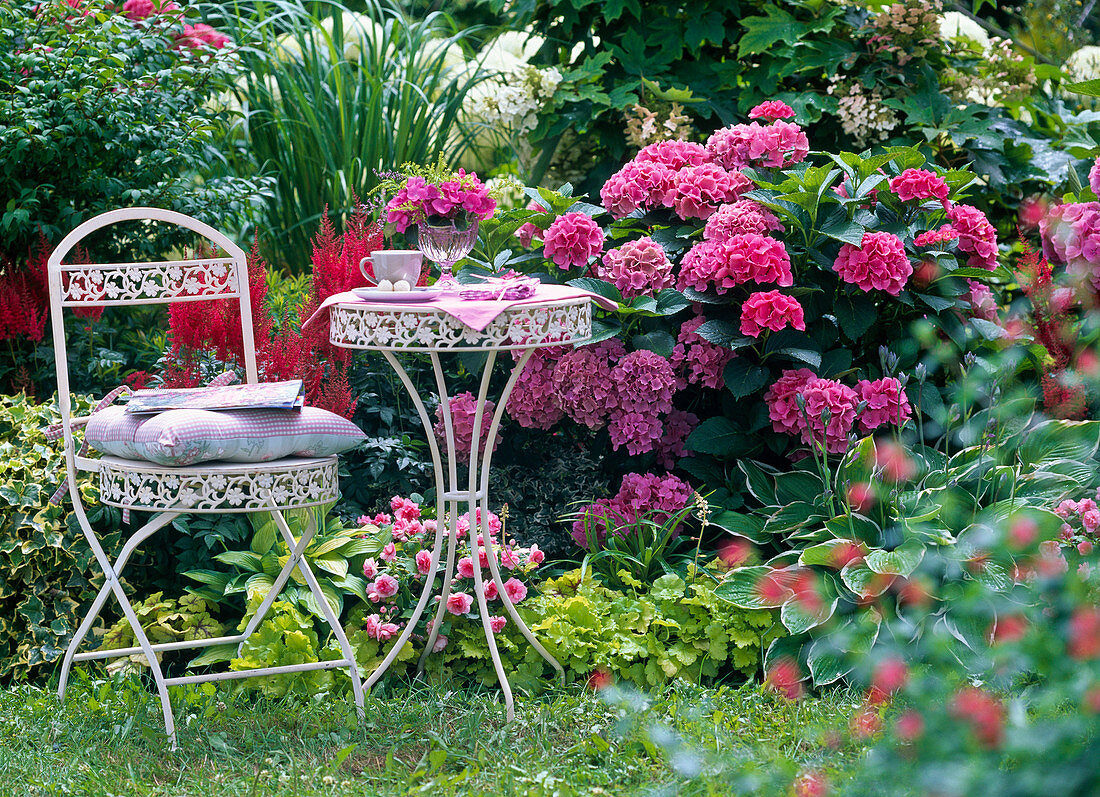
[750,527]
[741,587]
[826,662]
[863,581]
[1056,439]
[799,615]
[901,561]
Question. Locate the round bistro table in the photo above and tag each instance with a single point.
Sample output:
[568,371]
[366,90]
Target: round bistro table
[390,328]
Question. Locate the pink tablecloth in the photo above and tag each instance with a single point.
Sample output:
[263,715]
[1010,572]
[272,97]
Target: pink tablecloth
[475,314]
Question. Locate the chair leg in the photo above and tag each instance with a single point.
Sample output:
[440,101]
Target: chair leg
[326,609]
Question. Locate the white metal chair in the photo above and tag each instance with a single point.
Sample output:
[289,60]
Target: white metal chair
[171,491]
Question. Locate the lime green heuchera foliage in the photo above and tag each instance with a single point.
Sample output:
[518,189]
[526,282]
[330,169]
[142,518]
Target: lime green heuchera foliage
[164,620]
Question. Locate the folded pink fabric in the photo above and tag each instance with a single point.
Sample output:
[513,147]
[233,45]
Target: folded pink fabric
[475,314]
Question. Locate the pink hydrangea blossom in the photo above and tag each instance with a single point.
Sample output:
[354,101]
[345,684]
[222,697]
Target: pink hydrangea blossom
[639,185]
[982,302]
[740,259]
[703,360]
[572,240]
[878,263]
[919,184]
[463,412]
[515,589]
[782,401]
[675,154]
[637,268]
[840,402]
[776,145]
[1071,235]
[384,586]
[770,310]
[698,191]
[977,237]
[640,495]
[886,403]
[771,110]
[534,403]
[644,382]
[678,425]
[638,431]
[943,235]
[582,381]
[740,217]
[199,36]
[459,603]
[137,10]
[528,232]
[497,623]
[423,561]
[1094,177]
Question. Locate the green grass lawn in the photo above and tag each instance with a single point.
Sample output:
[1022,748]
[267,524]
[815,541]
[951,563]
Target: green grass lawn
[108,739]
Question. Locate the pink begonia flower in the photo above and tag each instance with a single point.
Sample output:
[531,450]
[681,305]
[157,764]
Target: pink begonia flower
[782,401]
[465,567]
[440,644]
[878,263]
[459,603]
[378,629]
[463,413]
[404,508]
[494,524]
[705,361]
[582,381]
[404,529]
[572,240]
[920,184]
[637,268]
[777,145]
[497,623]
[1094,177]
[771,110]
[841,401]
[698,191]
[528,232]
[430,526]
[743,258]
[370,568]
[678,425]
[490,589]
[932,237]
[510,558]
[423,562]
[535,557]
[515,589]
[534,403]
[977,237]
[674,154]
[385,586]
[740,217]
[637,186]
[483,555]
[770,310]
[886,403]
[389,552]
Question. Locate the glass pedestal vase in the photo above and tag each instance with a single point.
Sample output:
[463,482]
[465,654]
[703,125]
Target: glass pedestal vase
[446,244]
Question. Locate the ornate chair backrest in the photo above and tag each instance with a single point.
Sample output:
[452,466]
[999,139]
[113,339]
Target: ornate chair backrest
[124,284]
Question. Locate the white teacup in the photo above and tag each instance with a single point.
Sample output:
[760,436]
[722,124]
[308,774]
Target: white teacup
[394,265]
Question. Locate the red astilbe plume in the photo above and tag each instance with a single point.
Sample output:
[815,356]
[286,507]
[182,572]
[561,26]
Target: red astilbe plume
[24,300]
[336,258]
[1054,330]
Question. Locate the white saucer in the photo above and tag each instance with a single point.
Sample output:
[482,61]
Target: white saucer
[416,295]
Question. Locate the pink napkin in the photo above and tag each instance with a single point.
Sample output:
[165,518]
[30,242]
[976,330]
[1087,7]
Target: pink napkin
[475,314]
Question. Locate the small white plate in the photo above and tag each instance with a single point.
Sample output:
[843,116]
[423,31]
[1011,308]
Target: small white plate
[422,294]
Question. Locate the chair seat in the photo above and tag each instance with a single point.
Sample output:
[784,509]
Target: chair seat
[286,483]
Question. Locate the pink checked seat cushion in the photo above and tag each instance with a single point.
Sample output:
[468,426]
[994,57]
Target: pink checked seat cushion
[185,437]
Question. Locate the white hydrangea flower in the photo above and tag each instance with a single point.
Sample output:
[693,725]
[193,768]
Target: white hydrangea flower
[954,25]
[1084,64]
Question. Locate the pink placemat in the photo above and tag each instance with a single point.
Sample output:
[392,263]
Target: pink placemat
[475,314]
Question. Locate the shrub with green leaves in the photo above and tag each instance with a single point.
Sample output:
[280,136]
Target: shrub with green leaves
[104,111]
[49,576]
[187,618]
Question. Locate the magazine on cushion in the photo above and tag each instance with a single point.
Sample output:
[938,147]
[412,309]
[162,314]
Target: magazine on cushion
[289,395]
